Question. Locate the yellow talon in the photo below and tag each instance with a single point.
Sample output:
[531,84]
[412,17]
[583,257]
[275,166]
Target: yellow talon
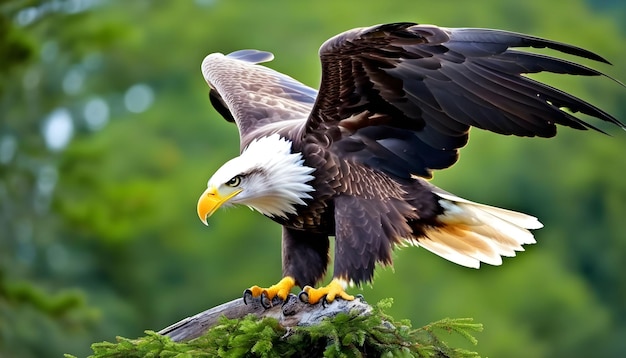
[333,290]
[281,289]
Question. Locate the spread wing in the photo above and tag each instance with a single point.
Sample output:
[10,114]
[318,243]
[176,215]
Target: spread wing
[405,95]
[260,100]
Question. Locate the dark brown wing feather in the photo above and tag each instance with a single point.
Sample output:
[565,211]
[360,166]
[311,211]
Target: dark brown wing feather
[405,95]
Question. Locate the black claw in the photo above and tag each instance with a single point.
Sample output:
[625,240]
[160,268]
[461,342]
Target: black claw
[265,301]
[324,301]
[247,292]
[303,296]
[277,300]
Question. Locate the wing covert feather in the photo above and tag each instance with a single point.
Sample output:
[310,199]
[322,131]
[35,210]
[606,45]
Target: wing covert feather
[260,100]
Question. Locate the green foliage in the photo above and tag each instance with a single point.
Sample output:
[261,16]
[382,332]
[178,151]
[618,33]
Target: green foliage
[345,335]
[15,293]
[113,245]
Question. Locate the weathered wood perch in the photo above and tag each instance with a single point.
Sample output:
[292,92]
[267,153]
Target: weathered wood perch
[300,331]
[291,313]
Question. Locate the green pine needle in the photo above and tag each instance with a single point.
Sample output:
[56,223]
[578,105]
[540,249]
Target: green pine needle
[346,335]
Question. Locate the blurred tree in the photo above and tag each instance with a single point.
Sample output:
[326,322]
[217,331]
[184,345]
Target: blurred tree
[107,137]
[614,8]
[26,182]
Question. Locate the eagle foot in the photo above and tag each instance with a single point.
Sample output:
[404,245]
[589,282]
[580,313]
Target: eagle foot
[326,294]
[272,295]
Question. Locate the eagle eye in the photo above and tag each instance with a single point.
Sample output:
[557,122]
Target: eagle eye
[234,181]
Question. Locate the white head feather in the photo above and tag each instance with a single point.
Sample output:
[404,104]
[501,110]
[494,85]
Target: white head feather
[272,179]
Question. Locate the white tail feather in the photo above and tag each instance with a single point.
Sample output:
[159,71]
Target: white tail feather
[520,219]
[473,233]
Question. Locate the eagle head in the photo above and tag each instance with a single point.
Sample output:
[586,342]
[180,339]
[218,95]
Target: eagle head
[266,177]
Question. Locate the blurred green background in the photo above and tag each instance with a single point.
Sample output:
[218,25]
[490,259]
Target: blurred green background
[107,138]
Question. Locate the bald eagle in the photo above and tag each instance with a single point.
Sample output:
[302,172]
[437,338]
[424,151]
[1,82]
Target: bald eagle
[396,101]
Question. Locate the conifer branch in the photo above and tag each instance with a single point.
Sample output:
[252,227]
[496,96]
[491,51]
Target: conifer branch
[368,333]
[296,329]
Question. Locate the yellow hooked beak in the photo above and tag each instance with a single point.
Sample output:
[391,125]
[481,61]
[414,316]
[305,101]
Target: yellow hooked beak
[210,201]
